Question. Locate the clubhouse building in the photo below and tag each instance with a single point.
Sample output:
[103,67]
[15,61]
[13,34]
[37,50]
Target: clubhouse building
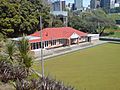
[56,37]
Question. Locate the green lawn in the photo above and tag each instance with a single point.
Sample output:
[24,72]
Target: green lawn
[96,68]
[116,34]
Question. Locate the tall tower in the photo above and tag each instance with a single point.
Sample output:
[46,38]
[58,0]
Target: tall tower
[107,4]
[112,4]
[78,4]
[117,1]
[58,5]
[94,4]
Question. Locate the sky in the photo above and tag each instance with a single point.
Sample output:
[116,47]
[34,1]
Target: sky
[85,2]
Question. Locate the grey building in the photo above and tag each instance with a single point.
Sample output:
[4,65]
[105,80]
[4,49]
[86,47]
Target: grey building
[94,4]
[78,4]
[117,1]
[58,10]
[73,7]
[58,5]
[107,4]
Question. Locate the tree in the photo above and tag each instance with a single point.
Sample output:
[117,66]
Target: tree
[57,23]
[10,50]
[81,22]
[22,16]
[95,21]
[25,55]
[101,20]
[15,70]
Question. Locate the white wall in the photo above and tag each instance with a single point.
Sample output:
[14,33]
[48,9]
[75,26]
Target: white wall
[94,36]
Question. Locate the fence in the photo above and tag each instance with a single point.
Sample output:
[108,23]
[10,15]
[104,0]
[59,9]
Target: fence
[110,39]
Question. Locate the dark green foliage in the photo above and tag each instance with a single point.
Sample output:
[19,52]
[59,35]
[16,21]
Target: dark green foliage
[10,49]
[15,58]
[95,21]
[57,23]
[25,54]
[115,10]
[15,65]
[22,16]
[1,37]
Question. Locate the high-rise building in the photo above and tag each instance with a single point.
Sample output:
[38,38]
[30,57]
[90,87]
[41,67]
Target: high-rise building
[78,4]
[58,5]
[94,4]
[107,4]
[117,1]
[73,7]
[112,3]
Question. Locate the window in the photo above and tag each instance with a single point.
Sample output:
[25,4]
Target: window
[46,43]
[51,43]
[54,42]
[43,44]
[37,45]
[34,46]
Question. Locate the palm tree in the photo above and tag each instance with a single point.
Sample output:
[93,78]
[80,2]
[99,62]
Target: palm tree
[10,49]
[26,57]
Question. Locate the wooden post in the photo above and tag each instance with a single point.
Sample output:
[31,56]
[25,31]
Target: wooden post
[42,61]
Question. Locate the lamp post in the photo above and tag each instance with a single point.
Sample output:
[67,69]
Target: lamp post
[42,60]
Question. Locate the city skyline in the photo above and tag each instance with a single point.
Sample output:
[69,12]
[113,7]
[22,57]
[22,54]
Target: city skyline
[85,2]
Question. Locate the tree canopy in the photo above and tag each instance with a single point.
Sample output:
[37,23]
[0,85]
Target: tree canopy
[22,16]
[95,21]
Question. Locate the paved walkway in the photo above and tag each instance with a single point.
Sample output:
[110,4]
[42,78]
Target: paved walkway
[72,48]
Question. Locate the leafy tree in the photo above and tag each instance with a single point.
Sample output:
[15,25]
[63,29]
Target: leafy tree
[25,54]
[102,21]
[10,49]
[57,23]
[17,72]
[22,16]
[82,23]
[115,10]
[114,16]
[95,21]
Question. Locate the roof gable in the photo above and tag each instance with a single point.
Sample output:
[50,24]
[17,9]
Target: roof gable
[74,35]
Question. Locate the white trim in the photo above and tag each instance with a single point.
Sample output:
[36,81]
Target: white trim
[27,37]
[74,35]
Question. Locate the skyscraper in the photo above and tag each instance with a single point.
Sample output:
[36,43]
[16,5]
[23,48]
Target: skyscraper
[78,4]
[117,1]
[94,4]
[107,4]
[58,5]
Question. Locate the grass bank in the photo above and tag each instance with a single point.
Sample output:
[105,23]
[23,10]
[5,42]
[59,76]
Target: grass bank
[116,34]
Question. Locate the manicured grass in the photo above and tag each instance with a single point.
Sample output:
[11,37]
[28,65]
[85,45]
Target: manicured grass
[116,34]
[96,68]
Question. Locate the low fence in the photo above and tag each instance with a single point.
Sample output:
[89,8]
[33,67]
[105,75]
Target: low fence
[110,39]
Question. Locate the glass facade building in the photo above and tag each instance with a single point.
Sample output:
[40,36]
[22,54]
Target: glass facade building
[78,4]
[107,4]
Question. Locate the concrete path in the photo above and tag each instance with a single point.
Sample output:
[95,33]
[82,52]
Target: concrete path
[72,48]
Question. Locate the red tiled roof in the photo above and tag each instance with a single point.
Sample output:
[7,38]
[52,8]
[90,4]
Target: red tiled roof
[56,33]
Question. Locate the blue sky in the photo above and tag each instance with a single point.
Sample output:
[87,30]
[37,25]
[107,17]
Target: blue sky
[85,2]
